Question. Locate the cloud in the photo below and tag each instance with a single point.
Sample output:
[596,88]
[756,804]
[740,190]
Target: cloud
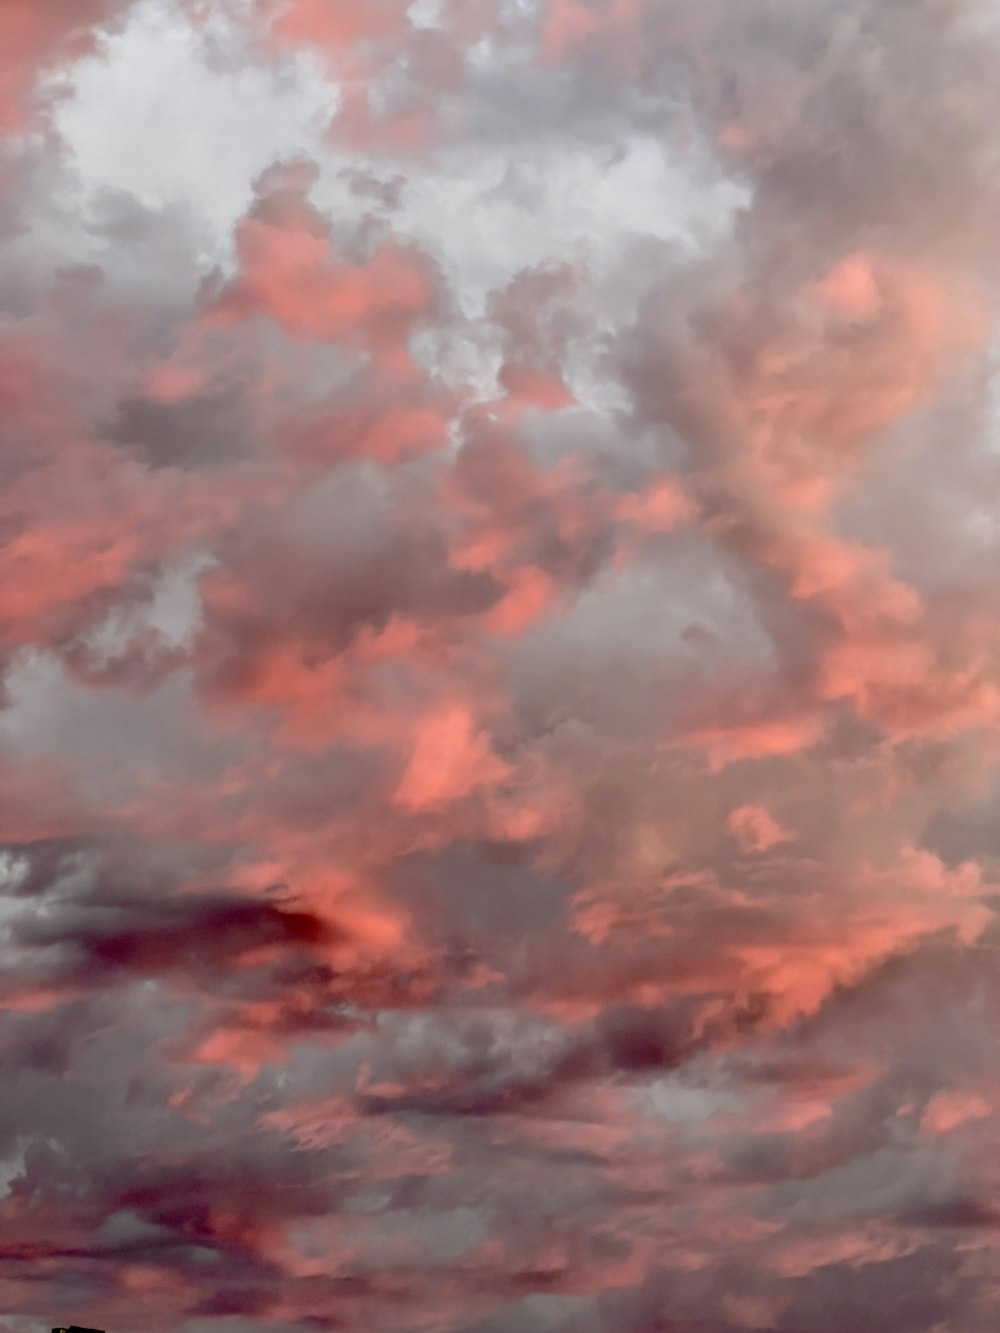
[755,829]
[497,635]
[39,40]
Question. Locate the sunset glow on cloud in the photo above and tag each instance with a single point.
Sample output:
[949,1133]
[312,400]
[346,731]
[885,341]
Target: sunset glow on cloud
[499,666]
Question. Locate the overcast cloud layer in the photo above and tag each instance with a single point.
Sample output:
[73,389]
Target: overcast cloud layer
[499,678]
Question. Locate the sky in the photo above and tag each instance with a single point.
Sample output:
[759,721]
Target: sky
[499,675]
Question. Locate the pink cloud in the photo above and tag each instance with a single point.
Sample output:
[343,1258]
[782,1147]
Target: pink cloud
[290,273]
[755,828]
[498,669]
[948,1110]
[37,38]
[449,759]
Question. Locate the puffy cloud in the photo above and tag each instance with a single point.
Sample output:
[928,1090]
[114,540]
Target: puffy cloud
[755,828]
[497,631]
[39,40]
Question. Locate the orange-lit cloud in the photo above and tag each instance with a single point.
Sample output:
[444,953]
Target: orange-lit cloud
[498,666]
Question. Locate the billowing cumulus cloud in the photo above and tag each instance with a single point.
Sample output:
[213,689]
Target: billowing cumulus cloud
[498,666]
